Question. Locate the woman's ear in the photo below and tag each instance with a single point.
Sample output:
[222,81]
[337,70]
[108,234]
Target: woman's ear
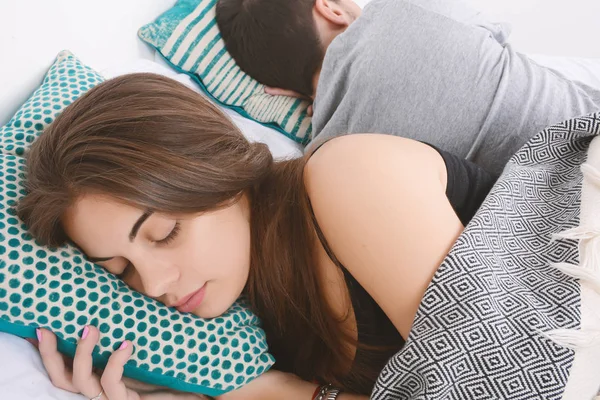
[332,11]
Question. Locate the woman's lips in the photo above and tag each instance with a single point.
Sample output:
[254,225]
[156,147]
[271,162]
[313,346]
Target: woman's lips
[191,301]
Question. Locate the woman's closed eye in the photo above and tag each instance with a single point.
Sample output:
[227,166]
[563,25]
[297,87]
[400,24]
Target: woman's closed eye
[171,236]
[165,241]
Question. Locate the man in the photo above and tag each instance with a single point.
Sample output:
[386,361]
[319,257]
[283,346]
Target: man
[430,70]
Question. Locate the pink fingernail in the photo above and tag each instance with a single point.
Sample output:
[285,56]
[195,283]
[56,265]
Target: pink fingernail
[86,330]
[123,346]
[39,335]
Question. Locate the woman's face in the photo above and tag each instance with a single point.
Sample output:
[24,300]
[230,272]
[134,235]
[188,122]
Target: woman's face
[197,263]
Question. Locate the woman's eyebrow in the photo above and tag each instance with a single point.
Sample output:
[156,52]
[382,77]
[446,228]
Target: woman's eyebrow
[138,224]
[134,231]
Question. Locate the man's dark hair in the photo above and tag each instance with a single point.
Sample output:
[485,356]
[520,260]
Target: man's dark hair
[274,41]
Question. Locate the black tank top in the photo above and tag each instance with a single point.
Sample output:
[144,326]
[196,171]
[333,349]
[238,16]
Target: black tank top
[467,187]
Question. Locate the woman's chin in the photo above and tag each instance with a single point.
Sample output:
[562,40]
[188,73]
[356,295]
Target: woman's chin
[210,311]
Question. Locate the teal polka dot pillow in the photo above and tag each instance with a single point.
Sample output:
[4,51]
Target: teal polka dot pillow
[59,290]
[188,38]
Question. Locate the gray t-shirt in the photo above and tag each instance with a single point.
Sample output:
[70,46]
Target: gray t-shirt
[434,71]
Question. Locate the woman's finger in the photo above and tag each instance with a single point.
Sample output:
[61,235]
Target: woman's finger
[53,361]
[112,377]
[83,374]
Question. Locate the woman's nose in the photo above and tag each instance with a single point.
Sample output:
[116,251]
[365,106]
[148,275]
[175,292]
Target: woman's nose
[157,276]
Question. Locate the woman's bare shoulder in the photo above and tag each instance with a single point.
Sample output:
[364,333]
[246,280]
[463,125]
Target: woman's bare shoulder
[380,202]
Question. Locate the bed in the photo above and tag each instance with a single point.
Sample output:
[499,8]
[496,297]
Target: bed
[103,35]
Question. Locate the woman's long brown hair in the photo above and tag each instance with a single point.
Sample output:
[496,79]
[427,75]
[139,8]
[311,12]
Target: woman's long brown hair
[155,144]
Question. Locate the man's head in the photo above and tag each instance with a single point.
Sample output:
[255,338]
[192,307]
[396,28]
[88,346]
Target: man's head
[282,43]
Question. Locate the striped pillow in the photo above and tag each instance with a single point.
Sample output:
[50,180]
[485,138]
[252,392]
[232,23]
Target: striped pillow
[188,37]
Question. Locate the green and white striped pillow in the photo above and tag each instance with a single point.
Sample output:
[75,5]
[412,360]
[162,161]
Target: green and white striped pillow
[188,37]
[59,290]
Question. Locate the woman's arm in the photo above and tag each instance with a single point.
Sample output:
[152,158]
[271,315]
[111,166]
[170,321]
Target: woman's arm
[276,385]
[380,202]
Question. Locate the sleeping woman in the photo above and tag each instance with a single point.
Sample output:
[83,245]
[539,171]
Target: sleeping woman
[334,250]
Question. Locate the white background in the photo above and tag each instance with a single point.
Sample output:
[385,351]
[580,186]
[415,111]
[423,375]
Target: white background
[101,33]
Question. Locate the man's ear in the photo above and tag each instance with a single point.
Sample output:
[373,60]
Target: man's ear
[332,11]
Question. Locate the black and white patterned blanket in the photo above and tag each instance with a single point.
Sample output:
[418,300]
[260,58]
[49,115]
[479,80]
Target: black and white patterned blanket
[478,331]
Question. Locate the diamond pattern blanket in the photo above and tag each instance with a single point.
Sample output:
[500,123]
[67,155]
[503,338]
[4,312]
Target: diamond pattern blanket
[502,317]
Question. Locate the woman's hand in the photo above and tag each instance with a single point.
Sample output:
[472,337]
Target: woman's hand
[80,378]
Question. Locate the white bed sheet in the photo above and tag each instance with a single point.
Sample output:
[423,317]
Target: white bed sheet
[22,375]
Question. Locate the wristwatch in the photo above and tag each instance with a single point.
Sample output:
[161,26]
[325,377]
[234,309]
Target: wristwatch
[332,394]
[328,392]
